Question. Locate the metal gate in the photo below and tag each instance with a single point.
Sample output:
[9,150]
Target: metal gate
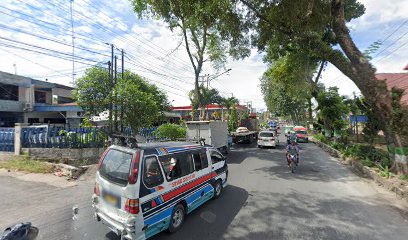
[7,139]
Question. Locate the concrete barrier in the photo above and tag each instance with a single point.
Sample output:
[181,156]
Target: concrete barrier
[67,155]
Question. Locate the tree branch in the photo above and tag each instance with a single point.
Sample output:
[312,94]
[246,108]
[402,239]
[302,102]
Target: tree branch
[320,71]
[309,8]
[188,46]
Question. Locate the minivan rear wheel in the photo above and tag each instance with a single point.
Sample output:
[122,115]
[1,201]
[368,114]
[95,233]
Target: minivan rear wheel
[177,218]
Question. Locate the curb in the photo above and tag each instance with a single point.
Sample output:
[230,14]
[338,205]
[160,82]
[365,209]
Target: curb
[399,188]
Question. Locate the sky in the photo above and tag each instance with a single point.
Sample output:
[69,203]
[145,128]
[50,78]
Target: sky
[36,41]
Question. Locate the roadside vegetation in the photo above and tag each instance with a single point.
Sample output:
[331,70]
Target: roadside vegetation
[171,131]
[25,164]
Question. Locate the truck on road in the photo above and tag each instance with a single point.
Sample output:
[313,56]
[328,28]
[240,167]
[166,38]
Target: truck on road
[214,133]
[248,132]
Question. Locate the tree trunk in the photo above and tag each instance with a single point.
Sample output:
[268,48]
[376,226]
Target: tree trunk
[358,69]
[310,112]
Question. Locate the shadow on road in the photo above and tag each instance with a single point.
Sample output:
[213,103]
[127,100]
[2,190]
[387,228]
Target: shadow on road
[211,220]
[308,216]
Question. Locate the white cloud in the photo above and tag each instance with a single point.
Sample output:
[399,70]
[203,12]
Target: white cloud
[380,13]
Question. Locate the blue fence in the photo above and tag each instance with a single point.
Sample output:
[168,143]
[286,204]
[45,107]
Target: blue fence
[7,139]
[56,137]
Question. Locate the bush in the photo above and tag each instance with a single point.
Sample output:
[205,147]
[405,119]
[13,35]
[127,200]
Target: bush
[171,131]
[321,138]
[368,153]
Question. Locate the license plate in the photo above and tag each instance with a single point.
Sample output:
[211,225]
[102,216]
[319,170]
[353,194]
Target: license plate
[111,199]
[266,140]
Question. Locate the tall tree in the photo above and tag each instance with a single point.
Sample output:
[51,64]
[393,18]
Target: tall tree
[319,29]
[93,90]
[333,110]
[211,29]
[142,103]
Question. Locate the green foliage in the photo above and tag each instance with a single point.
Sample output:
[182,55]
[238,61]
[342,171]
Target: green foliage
[404,177]
[171,131]
[142,103]
[93,90]
[385,172]
[207,96]
[332,110]
[26,164]
[86,123]
[372,49]
[233,120]
[213,25]
[321,138]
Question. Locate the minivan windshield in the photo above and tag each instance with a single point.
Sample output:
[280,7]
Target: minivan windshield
[266,134]
[115,166]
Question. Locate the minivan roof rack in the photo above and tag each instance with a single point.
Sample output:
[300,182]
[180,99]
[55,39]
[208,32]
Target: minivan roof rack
[124,141]
[201,141]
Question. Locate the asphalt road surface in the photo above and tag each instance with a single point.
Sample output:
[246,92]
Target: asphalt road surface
[264,200]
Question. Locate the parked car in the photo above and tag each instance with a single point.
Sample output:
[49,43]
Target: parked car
[142,191]
[301,134]
[267,139]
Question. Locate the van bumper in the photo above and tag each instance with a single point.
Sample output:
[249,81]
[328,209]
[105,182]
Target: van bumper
[124,229]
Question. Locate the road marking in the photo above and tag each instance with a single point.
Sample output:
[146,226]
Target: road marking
[208,216]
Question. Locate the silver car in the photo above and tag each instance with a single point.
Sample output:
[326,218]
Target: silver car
[267,139]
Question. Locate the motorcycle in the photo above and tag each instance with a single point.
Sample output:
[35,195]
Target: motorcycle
[293,162]
[20,231]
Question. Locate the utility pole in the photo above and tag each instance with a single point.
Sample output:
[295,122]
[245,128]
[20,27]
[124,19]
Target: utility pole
[115,95]
[73,41]
[123,77]
[111,82]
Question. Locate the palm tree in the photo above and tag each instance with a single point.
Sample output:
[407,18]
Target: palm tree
[207,96]
[228,103]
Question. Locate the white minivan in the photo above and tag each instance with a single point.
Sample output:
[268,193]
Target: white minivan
[267,139]
[142,191]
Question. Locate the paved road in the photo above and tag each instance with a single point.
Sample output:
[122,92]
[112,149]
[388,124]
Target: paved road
[322,200]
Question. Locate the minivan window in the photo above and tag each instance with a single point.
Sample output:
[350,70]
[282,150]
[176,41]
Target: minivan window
[216,157]
[177,165]
[116,165]
[266,134]
[152,175]
[200,160]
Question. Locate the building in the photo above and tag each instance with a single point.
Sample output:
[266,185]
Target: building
[186,111]
[397,80]
[26,100]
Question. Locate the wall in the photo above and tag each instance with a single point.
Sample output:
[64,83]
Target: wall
[62,92]
[41,115]
[59,154]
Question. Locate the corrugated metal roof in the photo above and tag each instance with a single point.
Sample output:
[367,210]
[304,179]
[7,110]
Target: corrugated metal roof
[398,80]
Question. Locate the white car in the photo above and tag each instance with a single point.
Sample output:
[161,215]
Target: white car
[267,139]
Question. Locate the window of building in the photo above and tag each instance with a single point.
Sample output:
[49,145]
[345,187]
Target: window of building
[54,120]
[152,175]
[177,165]
[8,92]
[40,97]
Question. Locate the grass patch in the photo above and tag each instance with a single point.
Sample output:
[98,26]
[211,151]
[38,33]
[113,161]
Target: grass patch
[404,177]
[26,165]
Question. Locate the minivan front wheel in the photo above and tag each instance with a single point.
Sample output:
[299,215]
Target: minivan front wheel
[217,189]
[177,218]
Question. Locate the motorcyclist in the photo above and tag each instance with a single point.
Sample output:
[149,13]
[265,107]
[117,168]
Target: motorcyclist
[292,149]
